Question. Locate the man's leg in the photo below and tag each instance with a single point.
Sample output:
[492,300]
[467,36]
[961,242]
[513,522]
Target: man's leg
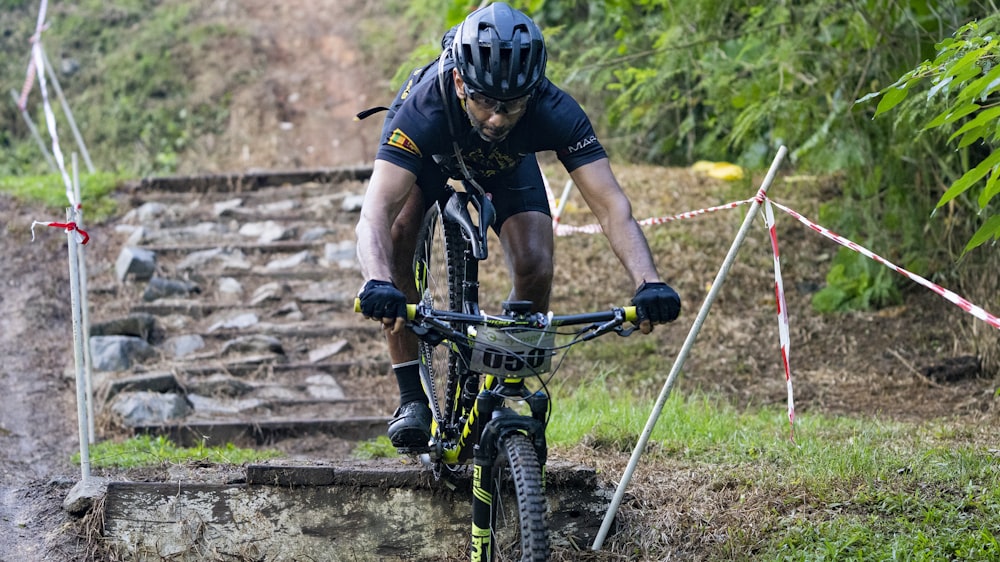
[410,426]
[528,245]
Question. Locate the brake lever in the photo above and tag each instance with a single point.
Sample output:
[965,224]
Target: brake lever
[595,330]
[623,331]
[422,331]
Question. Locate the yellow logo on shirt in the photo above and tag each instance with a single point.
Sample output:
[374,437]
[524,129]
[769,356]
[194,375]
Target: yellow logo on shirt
[399,139]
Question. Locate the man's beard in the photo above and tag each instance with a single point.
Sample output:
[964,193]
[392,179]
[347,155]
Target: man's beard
[488,134]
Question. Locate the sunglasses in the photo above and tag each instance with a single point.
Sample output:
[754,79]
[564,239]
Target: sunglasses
[516,105]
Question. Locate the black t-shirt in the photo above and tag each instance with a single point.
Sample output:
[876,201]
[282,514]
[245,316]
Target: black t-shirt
[417,133]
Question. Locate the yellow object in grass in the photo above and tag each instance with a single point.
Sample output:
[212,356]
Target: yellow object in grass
[718,170]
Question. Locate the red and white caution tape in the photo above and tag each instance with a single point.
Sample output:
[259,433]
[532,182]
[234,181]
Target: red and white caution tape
[36,69]
[779,291]
[566,230]
[81,235]
[779,299]
[950,296]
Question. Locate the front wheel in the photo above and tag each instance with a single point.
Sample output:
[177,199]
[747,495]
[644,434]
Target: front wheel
[518,527]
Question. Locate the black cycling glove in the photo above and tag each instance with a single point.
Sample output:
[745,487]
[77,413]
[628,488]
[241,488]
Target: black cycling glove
[381,299]
[657,302]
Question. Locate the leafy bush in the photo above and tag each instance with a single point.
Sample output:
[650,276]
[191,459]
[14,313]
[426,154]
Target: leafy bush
[723,80]
[966,74]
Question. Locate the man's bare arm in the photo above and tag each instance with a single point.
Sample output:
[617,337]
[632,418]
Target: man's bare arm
[609,203]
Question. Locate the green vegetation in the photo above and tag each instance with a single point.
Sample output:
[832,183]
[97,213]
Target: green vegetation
[966,74]
[147,451]
[716,80]
[50,189]
[137,100]
[379,447]
[844,489]
[867,490]
[724,80]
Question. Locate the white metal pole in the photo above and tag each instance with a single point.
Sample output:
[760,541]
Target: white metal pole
[81,396]
[682,356]
[84,309]
[34,131]
[562,201]
[69,114]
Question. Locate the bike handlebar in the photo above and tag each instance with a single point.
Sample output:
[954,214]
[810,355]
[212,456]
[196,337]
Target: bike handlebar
[629,312]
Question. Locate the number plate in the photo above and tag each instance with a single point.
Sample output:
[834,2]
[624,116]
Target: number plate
[516,353]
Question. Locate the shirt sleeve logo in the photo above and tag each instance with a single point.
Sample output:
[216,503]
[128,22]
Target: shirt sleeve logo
[581,145]
[399,139]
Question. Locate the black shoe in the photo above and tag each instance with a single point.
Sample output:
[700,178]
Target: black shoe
[410,428]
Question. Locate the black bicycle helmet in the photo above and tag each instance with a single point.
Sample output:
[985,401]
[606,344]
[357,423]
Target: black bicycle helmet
[499,52]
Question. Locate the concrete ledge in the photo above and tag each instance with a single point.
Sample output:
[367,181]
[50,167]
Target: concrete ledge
[387,510]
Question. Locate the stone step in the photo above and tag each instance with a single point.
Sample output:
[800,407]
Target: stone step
[240,244]
[384,510]
[243,369]
[244,182]
[256,432]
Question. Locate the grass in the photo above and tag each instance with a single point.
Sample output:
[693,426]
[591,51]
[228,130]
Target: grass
[845,489]
[148,451]
[50,190]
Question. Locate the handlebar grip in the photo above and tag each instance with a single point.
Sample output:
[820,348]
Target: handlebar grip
[631,313]
[411,309]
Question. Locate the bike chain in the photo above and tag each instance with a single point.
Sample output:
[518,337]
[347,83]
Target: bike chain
[427,351]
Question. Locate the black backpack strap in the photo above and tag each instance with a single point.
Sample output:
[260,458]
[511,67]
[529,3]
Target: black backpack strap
[369,112]
[453,116]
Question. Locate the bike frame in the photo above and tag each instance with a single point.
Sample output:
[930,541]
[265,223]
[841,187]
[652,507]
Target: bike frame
[481,418]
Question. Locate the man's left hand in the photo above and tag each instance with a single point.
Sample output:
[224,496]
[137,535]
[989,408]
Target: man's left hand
[656,303]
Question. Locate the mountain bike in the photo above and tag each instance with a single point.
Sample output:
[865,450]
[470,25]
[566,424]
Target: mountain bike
[486,377]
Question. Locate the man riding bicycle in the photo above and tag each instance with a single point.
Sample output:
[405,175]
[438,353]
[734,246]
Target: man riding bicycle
[484,112]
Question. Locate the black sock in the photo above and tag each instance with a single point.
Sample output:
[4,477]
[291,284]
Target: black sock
[408,379]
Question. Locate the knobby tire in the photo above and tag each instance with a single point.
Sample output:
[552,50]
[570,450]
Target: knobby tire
[519,529]
[440,266]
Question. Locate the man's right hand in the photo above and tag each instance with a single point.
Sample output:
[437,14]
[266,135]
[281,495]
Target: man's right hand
[382,301]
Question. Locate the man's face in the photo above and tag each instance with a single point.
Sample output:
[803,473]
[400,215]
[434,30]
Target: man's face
[492,119]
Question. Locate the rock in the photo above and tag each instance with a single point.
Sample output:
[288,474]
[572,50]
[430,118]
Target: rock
[324,387]
[217,384]
[314,234]
[118,353]
[327,351]
[253,344]
[139,325]
[343,254]
[148,382]
[244,320]
[352,203]
[135,263]
[292,261]
[225,258]
[159,288]
[84,495]
[230,289]
[268,292]
[183,345]
[325,292]
[136,409]
[223,208]
[268,231]
[289,311]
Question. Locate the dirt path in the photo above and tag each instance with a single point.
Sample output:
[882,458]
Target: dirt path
[37,417]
